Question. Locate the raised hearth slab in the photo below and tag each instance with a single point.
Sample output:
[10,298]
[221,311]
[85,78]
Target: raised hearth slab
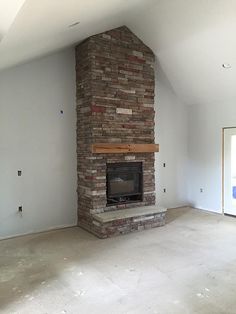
[124,221]
[143,211]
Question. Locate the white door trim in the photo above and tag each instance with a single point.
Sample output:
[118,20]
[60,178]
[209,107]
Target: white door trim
[223,167]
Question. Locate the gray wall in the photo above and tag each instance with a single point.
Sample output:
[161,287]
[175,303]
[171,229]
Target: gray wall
[171,134]
[37,139]
[205,152]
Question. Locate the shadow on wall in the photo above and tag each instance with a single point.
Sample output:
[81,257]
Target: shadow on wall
[171,134]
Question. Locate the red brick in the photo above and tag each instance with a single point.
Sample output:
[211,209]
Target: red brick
[98,108]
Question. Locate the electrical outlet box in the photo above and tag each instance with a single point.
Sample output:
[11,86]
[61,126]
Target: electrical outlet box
[201,190]
[20,209]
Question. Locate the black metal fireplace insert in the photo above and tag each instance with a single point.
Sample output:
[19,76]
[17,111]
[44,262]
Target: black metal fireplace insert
[124,183]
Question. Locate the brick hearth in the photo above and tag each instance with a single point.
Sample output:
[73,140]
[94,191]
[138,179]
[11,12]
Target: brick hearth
[115,104]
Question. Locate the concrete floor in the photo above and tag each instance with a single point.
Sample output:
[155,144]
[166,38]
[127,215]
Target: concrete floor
[188,266]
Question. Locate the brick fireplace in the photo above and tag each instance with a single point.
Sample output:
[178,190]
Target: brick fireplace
[115,106]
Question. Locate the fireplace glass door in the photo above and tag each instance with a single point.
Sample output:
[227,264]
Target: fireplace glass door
[124,183]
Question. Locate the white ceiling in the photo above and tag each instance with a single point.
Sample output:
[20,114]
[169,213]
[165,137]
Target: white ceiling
[191,38]
[8,12]
[41,26]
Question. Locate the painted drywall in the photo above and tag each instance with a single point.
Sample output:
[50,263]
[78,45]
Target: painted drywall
[191,40]
[38,139]
[171,134]
[205,152]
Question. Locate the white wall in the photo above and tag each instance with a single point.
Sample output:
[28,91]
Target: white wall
[37,139]
[171,121]
[191,41]
[205,152]
[171,134]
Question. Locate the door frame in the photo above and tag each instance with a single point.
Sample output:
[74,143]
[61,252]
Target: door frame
[223,165]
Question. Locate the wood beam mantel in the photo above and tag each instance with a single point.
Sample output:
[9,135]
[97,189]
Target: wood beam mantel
[108,148]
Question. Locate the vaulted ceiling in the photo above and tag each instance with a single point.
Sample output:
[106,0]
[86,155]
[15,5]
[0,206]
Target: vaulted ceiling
[8,13]
[191,39]
[43,26]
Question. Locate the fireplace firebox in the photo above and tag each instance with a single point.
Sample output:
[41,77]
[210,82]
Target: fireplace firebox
[124,183]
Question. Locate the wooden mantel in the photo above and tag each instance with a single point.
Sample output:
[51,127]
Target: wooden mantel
[109,148]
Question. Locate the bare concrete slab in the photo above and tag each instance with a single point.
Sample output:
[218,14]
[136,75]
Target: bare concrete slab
[128,213]
[185,267]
